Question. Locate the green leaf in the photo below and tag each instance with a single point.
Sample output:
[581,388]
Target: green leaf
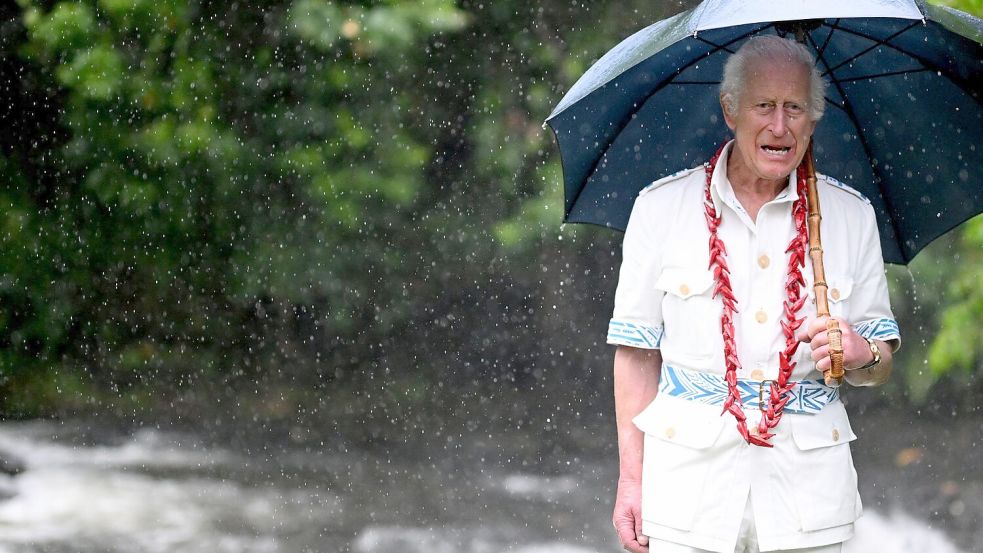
[69,26]
[317,22]
[96,73]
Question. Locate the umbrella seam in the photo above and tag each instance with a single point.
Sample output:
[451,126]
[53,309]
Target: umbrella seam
[834,104]
[698,12]
[822,50]
[952,77]
[717,46]
[880,75]
[877,42]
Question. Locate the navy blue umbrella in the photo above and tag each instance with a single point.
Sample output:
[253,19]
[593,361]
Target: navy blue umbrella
[903,123]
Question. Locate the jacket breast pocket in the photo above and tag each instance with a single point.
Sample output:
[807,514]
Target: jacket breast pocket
[691,314]
[838,292]
[825,479]
[675,463]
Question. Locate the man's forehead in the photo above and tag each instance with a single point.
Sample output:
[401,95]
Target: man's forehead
[762,77]
[782,65]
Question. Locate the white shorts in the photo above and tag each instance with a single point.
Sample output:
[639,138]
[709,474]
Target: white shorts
[747,541]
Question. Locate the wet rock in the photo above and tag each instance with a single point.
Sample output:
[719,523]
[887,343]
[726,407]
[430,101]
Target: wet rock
[10,465]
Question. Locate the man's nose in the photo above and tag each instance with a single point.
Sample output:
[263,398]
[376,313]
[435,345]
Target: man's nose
[779,125]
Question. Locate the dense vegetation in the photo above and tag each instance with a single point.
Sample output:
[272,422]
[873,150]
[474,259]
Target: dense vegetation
[328,204]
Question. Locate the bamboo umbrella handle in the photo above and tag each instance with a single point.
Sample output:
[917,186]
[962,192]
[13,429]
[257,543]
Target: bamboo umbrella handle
[834,375]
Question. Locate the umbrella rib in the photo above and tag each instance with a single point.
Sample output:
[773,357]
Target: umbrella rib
[834,104]
[877,42]
[878,75]
[956,79]
[819,55]
[639,105]
[718,46]
[820,51]
[848,111]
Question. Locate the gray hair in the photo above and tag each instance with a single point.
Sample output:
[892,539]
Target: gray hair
[770,47]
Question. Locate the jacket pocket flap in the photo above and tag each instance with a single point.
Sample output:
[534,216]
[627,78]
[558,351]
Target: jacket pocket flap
[839,288]
[684,282]
[679,421]
[829,427]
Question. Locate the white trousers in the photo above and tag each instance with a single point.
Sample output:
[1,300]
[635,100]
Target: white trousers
[747,541]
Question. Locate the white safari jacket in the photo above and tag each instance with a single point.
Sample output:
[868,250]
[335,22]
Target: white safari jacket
[697,471]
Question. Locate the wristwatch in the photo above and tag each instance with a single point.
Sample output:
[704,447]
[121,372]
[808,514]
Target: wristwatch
[877,355]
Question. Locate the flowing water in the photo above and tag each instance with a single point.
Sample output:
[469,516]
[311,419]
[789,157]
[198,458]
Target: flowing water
[151,490]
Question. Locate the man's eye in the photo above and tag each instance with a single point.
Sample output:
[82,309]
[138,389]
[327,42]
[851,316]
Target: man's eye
[794,109]
[764,106]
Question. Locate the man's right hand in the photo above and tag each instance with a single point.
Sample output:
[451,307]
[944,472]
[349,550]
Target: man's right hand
[627,516]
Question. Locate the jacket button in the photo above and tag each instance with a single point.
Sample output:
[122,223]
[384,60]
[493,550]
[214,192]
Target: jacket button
[761,316]
[757,374]
[670,432]
[763,261]
[836,435]
[835,293]
[683,289]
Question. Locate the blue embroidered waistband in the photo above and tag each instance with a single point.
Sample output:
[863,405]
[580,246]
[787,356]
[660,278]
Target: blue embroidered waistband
[808,396]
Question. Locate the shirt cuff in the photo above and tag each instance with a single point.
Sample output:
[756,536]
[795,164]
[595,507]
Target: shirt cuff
[883,329]
[634,334]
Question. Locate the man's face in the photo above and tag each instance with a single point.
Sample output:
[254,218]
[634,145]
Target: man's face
[772,126]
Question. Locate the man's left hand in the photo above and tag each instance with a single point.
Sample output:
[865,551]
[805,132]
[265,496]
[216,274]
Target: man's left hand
[856,350]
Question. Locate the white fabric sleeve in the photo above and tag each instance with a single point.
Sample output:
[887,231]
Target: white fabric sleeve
[870,309]
[637,318]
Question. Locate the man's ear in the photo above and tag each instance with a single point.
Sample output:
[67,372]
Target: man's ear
[728,118]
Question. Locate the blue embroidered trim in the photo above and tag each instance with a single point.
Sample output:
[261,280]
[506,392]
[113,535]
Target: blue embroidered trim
[883,329]
[636,335]
[668,179]
[807,397]
[845,188]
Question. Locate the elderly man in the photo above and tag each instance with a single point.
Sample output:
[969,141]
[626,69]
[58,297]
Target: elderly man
[715,280]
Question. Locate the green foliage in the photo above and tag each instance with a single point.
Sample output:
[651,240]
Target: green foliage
[212,160]
[974,7]
[959,342]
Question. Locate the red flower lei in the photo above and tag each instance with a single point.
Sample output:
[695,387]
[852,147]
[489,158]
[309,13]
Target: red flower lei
[794,300]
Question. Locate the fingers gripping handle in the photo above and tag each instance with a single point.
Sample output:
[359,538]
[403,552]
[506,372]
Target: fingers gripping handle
[834,375]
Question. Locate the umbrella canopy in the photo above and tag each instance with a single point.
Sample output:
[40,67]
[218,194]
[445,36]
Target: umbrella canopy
[903,122]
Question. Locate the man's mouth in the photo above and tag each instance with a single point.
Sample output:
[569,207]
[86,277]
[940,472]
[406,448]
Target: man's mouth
[776,150]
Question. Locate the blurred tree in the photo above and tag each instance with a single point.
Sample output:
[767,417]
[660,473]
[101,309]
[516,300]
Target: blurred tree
[223,175]
[959,343]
